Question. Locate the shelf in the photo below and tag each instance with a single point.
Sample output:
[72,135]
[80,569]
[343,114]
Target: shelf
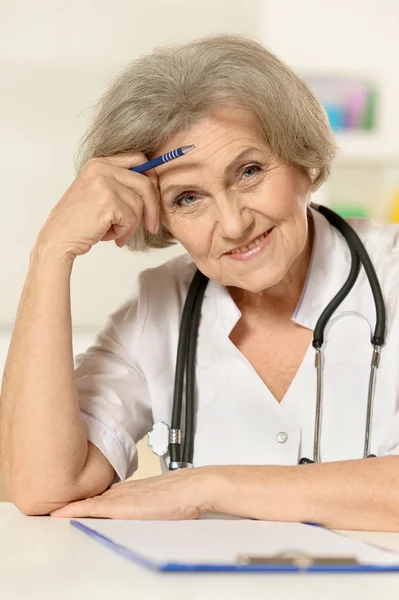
[366,146]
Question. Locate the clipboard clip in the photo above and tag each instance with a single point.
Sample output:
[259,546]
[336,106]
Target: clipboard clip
[295,558]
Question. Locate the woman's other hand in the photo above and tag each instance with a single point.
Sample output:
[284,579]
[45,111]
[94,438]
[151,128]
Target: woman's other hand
[180,494]
[106,202]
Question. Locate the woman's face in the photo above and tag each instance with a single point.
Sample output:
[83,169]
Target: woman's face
[214,200]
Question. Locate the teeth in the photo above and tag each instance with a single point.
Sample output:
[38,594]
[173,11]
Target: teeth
[250,246]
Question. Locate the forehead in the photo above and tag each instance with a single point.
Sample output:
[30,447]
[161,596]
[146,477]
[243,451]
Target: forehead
[222,134]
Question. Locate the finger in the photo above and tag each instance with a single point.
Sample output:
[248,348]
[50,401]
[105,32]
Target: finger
[128,160]
[127,215]
[103,508]
[145,184]
[149,193]
[150,222]
[91,507]
[152,175]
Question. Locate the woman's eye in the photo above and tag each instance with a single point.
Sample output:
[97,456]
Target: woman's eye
[251,167]
[180,200]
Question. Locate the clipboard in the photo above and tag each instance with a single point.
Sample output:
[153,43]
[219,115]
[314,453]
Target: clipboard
[294,560]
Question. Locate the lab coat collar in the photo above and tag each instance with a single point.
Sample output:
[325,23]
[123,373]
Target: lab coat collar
[329,267]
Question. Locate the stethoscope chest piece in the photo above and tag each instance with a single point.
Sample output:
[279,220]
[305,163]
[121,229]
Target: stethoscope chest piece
[158,438]
[161,437]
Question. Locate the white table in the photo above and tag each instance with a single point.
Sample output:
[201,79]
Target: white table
[47,559]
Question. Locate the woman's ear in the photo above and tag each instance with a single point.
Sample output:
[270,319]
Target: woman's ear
[307,181]
[311,174]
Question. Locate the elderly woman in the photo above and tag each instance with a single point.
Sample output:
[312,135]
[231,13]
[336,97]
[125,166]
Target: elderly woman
[239,203]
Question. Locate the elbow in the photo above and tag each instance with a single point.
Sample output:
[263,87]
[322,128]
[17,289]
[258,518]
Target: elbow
[31,505]
[30,508]
[39,501]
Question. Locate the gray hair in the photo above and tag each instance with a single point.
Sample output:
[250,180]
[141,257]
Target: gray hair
[174,87]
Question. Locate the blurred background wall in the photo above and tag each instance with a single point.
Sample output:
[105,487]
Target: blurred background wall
[57,57]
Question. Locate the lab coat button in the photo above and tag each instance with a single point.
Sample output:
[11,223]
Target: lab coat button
[282,437]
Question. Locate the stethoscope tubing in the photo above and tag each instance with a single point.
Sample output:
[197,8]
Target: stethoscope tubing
[353,240]
[188,451]
[186,331]
[318,334]
[318,340]
[358,254]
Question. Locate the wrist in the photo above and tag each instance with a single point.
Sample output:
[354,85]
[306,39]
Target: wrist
[215,489]
[46,255]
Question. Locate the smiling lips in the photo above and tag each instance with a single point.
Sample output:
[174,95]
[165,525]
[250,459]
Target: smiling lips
[250,246]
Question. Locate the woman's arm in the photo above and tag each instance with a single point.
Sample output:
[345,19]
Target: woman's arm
[45,457]
[354,494]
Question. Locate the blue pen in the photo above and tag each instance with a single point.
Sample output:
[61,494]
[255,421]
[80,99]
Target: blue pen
[159,160]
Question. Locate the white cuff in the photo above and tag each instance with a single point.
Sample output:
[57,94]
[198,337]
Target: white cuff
[124,460]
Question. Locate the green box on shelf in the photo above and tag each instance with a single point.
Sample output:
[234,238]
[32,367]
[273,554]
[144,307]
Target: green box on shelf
[345,210]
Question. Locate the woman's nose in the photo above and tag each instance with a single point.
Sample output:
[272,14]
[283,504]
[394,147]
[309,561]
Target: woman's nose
[233,218]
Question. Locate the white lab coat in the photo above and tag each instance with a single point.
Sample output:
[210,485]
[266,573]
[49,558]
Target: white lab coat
[125,382]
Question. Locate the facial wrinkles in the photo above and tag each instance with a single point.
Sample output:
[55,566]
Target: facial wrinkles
[223,214]
[210,161]
[219,204]
[184,162]
[242,224]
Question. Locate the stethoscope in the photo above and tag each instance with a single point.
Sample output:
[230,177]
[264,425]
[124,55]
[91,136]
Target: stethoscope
[162,438]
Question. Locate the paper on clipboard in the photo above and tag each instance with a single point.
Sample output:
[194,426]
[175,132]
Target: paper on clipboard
[221,542]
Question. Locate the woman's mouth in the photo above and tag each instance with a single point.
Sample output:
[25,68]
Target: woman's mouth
[253,249]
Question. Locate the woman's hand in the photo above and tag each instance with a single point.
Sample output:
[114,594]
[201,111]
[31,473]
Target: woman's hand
[180,494]
[106,202]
